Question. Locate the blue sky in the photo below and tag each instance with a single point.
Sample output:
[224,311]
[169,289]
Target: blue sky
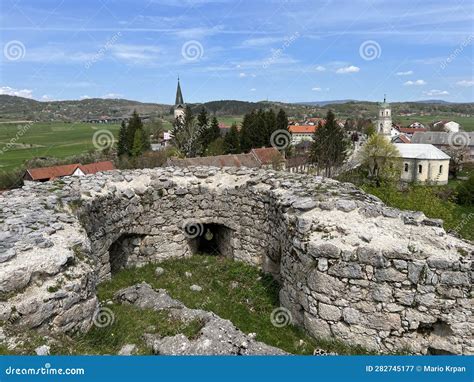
[282,50]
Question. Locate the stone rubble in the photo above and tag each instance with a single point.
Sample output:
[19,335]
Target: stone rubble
[216,337]
[349,266]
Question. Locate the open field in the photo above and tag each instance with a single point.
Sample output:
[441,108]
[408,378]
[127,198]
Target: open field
[467,123]
[21,142]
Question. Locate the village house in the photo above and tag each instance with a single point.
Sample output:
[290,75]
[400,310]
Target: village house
[44,174]
[265,157]
[423,163]
[448,126]
[300,133]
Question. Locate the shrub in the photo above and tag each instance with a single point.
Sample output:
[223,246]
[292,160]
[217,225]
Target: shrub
[465,192]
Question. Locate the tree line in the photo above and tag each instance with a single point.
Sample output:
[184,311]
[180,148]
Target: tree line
[200,136]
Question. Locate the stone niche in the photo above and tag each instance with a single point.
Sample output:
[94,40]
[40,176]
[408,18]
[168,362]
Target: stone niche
[213,239]
[350,267]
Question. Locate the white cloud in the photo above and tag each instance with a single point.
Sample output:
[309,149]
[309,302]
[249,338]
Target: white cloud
[407,73]
[136,53]
[316,89]
[112,96]
[348,69]
[242,75]
[465,83]
[320,68]
[26,93]
[261,41]
[435,92]
[46,97]
[84,97]
[253,90]
[415,83]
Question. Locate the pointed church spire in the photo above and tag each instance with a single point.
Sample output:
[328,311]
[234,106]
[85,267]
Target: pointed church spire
[179,96]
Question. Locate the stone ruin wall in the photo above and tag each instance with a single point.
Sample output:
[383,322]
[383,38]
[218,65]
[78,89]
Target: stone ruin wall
[349,267]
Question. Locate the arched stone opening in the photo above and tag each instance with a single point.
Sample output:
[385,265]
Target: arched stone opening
[122,250]
[213,239]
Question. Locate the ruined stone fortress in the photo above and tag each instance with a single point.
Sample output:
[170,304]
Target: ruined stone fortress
[349,266]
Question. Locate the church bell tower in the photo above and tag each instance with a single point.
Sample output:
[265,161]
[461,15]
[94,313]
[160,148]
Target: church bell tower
[384,119]
[179,103]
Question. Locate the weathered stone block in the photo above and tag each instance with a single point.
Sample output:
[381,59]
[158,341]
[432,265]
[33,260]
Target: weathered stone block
[389,274]
[349,270]
[323,250]
[329,312]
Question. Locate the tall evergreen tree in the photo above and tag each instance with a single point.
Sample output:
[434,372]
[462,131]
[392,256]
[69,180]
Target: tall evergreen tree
[270,125]
[122,147]
[281,120]
[137,148]
[214,130]
[203,119]
[232,140]
[329,149]
[246,132]
[134,123]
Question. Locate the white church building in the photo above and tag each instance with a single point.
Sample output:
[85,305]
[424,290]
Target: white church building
[421,163]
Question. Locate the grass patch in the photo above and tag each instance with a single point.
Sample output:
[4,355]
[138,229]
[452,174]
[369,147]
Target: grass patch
[424,198]
[231,289]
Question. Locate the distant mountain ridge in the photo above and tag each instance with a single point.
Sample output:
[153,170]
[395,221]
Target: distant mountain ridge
[14,108]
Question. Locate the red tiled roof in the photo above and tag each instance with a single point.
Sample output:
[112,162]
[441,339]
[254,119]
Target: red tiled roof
[266,155]
[48,173]
[52,172]
[411,130]
[92,168]
[302,129]
[236,160]
[404,138]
